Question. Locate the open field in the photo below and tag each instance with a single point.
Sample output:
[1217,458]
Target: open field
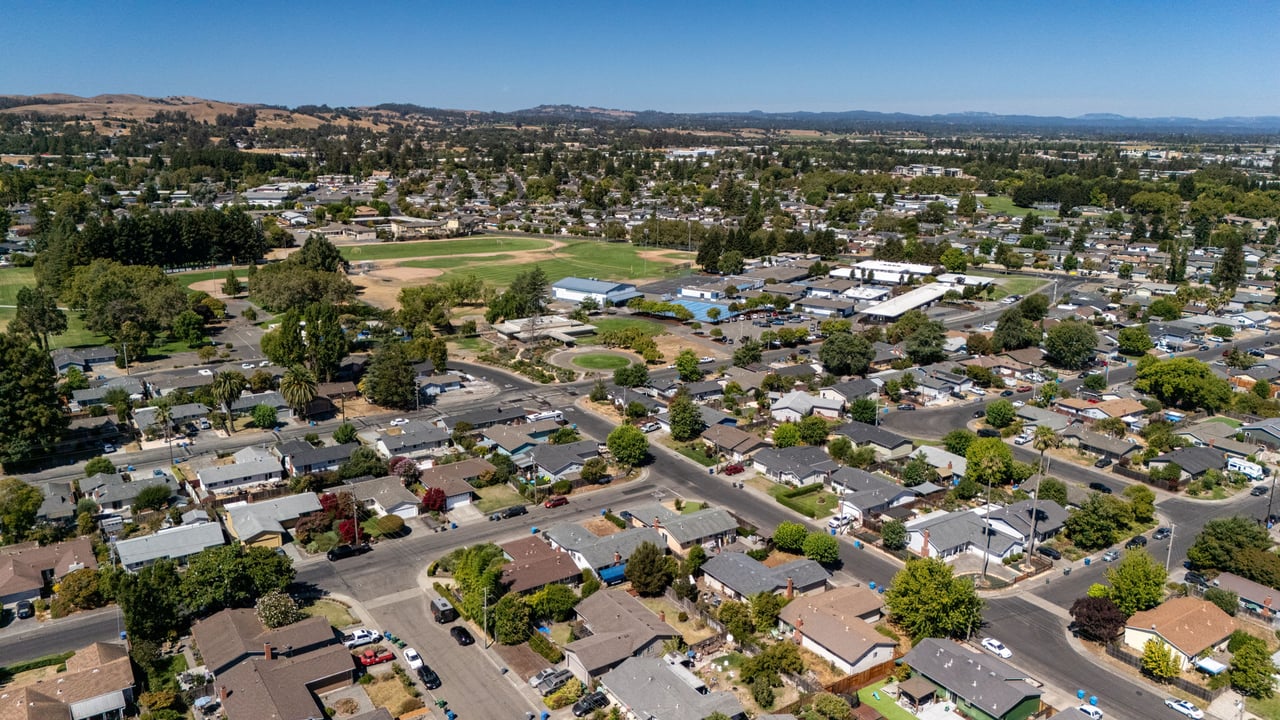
[437,248]
[1003,205]
[1017,286]
[587,258]
[76,334]
[11,280]
[600,361]
[497,497]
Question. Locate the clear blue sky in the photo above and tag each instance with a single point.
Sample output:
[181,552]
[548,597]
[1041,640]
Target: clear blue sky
[1198,59]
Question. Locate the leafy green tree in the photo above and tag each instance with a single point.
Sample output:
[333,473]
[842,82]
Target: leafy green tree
[1053,489]
[298,387]
[152,601]
[790,537]
[226,389]
[389,380]
[954,260]
[830,707]
[1158,660]
[650,570]
[1070,344]
[748,353]
[525,297]
[845,354]
[1097,618]
[594,469]
[1013,331]
[511,620]
[325,342]
[1222,539]
[19,505]
[989,462]
[318,253]
[1227,601]
[1097,383]
[1230,268]
[1262,389]
[628,445]
[37,316]
[363,461]
[1001,413]
[345,433]
[153,497]
[1252,670]
[1142,500]
[821,547]
[264,416]
[81,589]
[893,534]
[233,576]
[814,430]
[1137,582]
[1165,308]
[924,346]
[1182,382]
[1034,307]
[32,419]
[736,618]
[927,600]
[633,375]
[765,607]
[917,471]
[554,602]
[285,345]
[786,435]
[188,327]
[958,441]
[98,465]
[686,418]
[231,286]
[863,410]
[687,366]
[276,608]
[1097,523]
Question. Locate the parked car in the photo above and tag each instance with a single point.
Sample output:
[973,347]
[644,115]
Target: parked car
[1136,542]
[412,658]
[541,675]
[1019,403]
[358,637]
[1258,490]
[1024,388]
[1195,578]
[554,682]
[1161,533]
[997,648]
[1110,556]
[1100,487]
[461,635]
[1101,463]
[108,448]
[345,551]
[1185,708]
[428,677]
[733,469]
[1007,393]
[906,407]
[979,413]
[1022,440]
[839,521]
[25,609]
[376,656]
[590,703]
[650,427]
[1049,552]
[205,371]
[555,502]
[398,422]
[1090,711]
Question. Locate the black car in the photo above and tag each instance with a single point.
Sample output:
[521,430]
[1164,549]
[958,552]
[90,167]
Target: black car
[1049,552]
[979,413]
[1258,490]
[590,703]
[1007,393]
[1137,542]
[1196,578]
[428,677]
[345,551]
[1100,487]
[461,635]
[513,511]
[906,407]
[1102,462]
[1161,533]
[25,609]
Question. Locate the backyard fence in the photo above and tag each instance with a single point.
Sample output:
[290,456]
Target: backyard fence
[1119,652]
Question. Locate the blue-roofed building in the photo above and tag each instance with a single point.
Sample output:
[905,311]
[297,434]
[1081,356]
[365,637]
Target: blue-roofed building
[701,308]
[604,292]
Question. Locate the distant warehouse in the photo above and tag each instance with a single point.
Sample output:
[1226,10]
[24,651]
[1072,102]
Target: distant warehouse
[604,292]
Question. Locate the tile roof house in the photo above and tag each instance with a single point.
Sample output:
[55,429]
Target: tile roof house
[653,688]
[979,684]
[1194,461]
[534,565]
[839,626]
[888,445]
[1188,625]
[26,569]
[709,527]
[621,628]
[738,576]
[266,523]
[264,673]
[98,683]
[175,543]
[385,496]
[799,465]
[735,444]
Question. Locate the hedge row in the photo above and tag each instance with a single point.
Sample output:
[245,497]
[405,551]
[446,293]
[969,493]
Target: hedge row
[544,647]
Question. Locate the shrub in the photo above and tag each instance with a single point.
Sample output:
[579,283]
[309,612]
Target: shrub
[683,616]
[561,487]
[622,524]
[408,705]
[541,645]
[565,696]
[390,524]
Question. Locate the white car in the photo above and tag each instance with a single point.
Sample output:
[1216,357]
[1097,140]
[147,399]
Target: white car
[264,363]
[839,521]
[997,648]
[398,422]
[1018,403]
[1185,708]
[989,327]
[705,359]
[1022,440]
[537,679]
[206,372]
[412,657]
[1090,711]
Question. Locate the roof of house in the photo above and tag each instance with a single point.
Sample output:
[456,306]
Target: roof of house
[1195,460]
[652,688]
[1042,416]
[685,528]
[307,456]
[856,388]
[800,460]
[747,576]
[413,435]
[984,681]
[484,417]
[940,458]
[556,458]
[252,400]
[1052,516]
[861,433]
[1121,407]
[731,438]
[388,491]
[219,474]
[621,626]
[865,490]
[1246,589]
[1098,441]
[96,675]
[59,500]
[22,566]
[247,520]
[834,620]
[599,551]
[455,478]
[175,542]
[957,529]
[1189,624]
[509,437]
[534,564]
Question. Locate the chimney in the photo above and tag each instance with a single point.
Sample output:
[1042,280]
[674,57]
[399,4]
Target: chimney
[1212,441]
[657,523]
[662,615]
[791,588]
[924,549]
[222,694]
[266,651]
[617,557]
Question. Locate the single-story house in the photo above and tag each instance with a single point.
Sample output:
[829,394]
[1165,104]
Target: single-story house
[245,404]
[483,418]
[1188,625]
[1218,435]
[738,576]
[1097,443]
[113,491]
[1253,596]
[704,390]
[302,458]
[557,462]
[1265,431]
[799,465]
[439,384]
[175,543]
[59,504]
[621,628]
[982,686]
[736,445]
[251,466]
[796,406]
[863,494]
[416,439]
[851,391]
[950,467]
[534,565]
[651,687]
[386,496]
[26,569]
[145,417]
[1016,520]
[839,626]
[510,440]
[1033,415]
[83,358]
[98,395]
[97,684]
[265,523]
[605,556]
[455,480]
[1193,461]
[887,445]
[947,535]
[709,527]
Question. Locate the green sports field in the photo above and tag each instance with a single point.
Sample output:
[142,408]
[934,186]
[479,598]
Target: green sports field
[611,261]
[438,248]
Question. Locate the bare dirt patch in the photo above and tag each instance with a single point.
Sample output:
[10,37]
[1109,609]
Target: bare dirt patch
[777,557]
[601,527]
[381,287]
[213,287]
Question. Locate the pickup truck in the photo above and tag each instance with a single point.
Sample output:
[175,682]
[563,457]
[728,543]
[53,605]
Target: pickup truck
[376,656]
[362,636]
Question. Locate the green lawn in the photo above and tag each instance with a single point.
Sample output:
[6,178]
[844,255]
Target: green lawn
[694,452]
[692,507]
[811,501]
[1269,708]
[75,336]
[1003,205]
[195,276]
[338,615]
[474,344]
[448,263]
[1229,421]
[13,279]
[612,261]
[496,497]
[1015,285]
[885,705]
[600,361]
[434,248]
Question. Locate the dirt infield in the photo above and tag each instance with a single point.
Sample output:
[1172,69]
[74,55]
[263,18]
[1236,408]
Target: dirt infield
[381,286]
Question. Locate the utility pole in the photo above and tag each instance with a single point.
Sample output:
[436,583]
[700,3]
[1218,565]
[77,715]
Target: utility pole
[1168,556]
[485,629]
[125,347]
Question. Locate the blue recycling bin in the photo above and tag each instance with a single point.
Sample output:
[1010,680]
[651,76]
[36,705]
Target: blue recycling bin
[872,584]
[1093,700]
[831,530]
[857,544]
[1087,561]
[533,530]
[1079,694]
[453,526]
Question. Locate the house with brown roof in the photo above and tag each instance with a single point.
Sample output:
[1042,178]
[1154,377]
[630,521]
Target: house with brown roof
[735,444]
[26,569]
[1032,356]
[1188,625]
[534,565]
[271,673]
[455,480]
[839,626]
[97,685]
[621,628]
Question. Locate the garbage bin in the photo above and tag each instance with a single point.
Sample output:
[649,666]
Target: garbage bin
[1066,571]
[1086,562]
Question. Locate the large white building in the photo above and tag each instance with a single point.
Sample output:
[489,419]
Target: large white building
[575,290]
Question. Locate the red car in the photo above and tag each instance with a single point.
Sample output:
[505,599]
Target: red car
[1024,388]
[556,501]
[733,469]
[376,656]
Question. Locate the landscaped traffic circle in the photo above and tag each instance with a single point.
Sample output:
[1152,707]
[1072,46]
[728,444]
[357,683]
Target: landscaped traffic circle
[600,361]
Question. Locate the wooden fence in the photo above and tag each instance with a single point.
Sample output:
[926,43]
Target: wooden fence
[1121,653]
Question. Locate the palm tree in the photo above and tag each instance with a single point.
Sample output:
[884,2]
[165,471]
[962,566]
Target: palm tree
[227,386]
[298,387]
[1044,439]
[164,416]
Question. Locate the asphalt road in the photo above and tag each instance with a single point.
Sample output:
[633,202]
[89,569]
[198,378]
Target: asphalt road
[26,639]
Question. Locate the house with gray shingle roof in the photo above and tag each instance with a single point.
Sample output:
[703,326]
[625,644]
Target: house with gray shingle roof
[739,576]
[652,688]
[1193,461]
[605,555]
[251,466]
[978,683]
[863,494]
[888,445]
[947,535]
[709,527]
[175,543]
[799,465]
[265,523]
